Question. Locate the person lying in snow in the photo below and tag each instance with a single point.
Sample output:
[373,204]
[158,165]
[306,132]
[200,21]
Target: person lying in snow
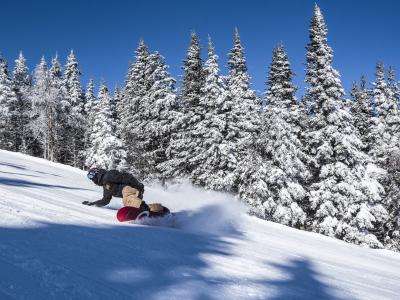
[125,185]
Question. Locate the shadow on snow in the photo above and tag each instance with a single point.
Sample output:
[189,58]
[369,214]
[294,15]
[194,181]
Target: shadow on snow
[23,168]
[120,262]
[15,166]
[302,282]
[29,184]
[21,174]
[54,261]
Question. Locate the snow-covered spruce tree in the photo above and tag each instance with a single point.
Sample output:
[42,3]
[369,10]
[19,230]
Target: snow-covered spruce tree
[385,149]
[344,196]
[115,103]
[361,111]
[8,109]
[381,93]
[158,113]
[63,109]
[355,92]
[385,132]
[146,113]
[74,90]
[90,113]
[243,122]
[392,165]
[283,155]
[44,108]
[184,145]
[72,81]
[120,107]
[392,228]
[253,188]
[22,85]
[394,86]
[106,149]
[130,111]
[214,163]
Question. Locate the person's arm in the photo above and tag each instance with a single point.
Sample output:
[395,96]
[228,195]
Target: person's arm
[107,195]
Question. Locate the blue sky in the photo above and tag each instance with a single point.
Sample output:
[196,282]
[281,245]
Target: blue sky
[104,34]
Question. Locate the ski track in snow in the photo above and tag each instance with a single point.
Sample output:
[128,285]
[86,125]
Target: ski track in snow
[53,247]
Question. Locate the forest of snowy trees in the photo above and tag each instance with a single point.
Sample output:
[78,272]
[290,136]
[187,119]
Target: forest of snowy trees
[325,163]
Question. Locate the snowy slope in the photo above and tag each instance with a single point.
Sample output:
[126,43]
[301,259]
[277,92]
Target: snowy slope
[52,247]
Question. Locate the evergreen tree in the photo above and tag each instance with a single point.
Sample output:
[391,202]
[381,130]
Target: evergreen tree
[384,135]
[185,143]
[253,188]
[44,102]
[324,82]
[147,113]
[106,149]
[385,149]
[22,88]
[21,75]
[344,196]
[90,98]
[392,228]
[8,109]
[193,77]
[72,81]
[355,92]
[214,162]
[159,112]
[361,111]
[90,113]
[115,103]
[63,110]
[130,109]
[281,152]
[382,104]
[394,86]
[243,120]
[77,120]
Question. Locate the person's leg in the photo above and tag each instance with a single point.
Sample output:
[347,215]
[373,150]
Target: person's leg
[130,197]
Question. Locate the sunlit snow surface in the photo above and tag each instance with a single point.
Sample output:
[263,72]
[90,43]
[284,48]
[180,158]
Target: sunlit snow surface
[53,247]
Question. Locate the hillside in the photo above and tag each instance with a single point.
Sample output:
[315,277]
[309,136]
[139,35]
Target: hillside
[52,247]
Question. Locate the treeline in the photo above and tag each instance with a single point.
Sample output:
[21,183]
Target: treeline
[324,163]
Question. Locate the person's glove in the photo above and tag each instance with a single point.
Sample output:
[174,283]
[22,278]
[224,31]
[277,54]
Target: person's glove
[88,203]
[98,203]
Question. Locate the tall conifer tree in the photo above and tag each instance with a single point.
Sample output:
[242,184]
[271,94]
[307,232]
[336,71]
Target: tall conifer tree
[281,152]
[8,109]
[214,162]
[343,194]
[45,111]
[185,144]
[106,149]
[130,109]
[385,150]
[243,123]
[62,108]
[361,111]
[159,111]
[74,90]
[22,85]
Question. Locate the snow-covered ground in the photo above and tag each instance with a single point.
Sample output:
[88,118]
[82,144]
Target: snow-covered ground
[52,247]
